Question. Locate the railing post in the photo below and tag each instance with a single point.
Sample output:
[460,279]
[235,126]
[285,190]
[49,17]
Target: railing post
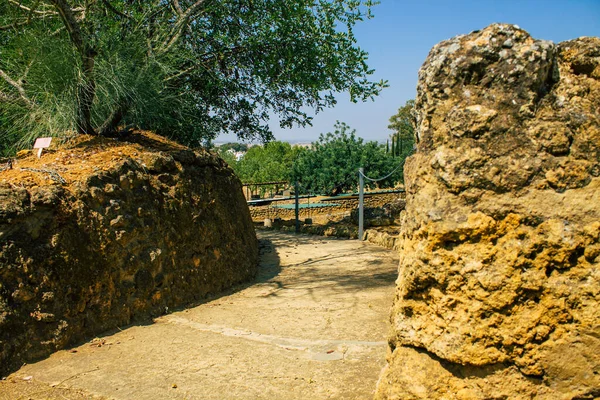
[297,207]
[361,200]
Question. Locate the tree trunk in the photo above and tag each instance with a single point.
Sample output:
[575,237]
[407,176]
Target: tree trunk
[86,94]
[87,88]
[109,126]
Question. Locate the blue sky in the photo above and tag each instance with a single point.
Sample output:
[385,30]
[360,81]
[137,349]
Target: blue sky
[400,36]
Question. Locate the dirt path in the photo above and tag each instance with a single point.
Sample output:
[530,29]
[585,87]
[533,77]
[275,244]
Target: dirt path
[313,326]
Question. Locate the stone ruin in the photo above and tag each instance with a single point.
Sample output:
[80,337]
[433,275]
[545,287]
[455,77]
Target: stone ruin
[498,294]
[153,226]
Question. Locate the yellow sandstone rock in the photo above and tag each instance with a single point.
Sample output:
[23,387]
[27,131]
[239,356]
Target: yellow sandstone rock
[499,280]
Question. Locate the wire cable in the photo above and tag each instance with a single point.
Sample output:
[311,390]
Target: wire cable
[385,177]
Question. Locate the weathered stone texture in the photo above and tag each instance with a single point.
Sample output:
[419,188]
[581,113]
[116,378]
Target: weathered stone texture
[338,207]
[146,232]
[499,280]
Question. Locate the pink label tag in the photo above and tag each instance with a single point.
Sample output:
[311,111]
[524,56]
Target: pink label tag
[41,143]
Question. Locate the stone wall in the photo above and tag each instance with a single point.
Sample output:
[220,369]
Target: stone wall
[387,237]
[138,227]
[343,207]
[499,280]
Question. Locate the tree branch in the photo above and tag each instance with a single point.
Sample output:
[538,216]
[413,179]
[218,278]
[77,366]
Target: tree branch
[181,73]
[34,15]
[177,7]
[70,22]
[181,25]
[37,3]
[22,78]
[32,10]
[114,10]
[13,25]
[5,98]
[17,86]
[205,58]
[194,7]
[116,116]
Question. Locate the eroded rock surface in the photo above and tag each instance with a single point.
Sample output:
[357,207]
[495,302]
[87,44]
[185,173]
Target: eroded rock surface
[138,227]
[499,280]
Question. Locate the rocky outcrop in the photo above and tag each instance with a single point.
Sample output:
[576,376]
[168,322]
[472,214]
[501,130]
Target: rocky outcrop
[499,280]
[131,229]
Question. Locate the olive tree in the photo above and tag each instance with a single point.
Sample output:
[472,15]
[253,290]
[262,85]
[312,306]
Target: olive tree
[331,165]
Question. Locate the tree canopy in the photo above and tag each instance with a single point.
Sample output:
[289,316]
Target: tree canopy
[268,163]
[233,146]
[188,69]
[331,166]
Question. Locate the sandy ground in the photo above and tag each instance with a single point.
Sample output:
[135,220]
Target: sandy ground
[312,326]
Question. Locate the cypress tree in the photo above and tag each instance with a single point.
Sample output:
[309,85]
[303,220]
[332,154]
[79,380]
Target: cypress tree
[400,140]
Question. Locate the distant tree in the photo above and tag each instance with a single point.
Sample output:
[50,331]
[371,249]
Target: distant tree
[188,69]
[403,125]
[229,158]
[233,146]
[268,163]
[331,166]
